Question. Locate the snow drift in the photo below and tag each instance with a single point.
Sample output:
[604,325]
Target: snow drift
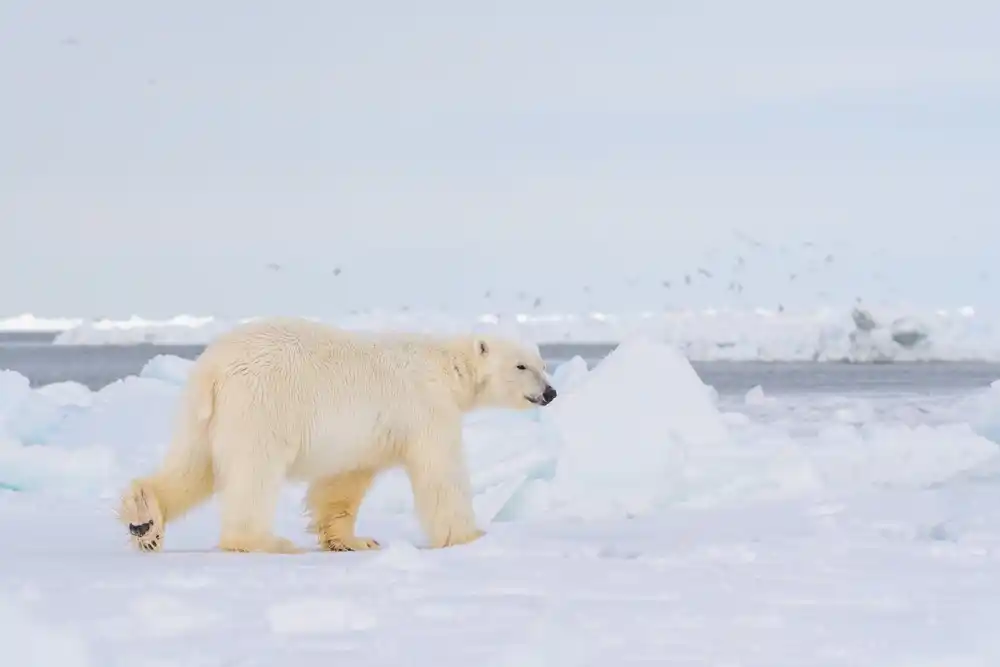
[638,434]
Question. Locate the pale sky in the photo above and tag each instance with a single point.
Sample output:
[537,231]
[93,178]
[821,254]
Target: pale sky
[154,158]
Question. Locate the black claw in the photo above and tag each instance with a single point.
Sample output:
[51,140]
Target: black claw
[140,529]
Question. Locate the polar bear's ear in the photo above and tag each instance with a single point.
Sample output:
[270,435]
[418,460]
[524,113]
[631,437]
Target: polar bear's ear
[482,349]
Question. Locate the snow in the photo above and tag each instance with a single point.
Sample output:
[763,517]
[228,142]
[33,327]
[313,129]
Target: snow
[857,334]
[30,643]
[318,616]
[661,404]
[641,518]
[28,322]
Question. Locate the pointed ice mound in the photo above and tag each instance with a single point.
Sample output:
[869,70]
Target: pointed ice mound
[627,431]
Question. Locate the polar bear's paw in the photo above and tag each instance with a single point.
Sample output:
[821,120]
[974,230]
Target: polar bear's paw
[141,512]
[345,543]
[259,544]
[458,538]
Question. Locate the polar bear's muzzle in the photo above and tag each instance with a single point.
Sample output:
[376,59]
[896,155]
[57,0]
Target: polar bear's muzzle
[545,397]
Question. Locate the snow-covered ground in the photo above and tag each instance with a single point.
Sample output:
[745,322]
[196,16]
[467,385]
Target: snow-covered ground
[857,334]
[639,519]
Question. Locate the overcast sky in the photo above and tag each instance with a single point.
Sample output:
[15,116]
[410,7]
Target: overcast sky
[489,143]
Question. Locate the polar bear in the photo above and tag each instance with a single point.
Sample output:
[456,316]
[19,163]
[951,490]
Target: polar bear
[291,399]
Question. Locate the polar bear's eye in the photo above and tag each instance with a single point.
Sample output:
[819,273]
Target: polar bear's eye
[522,367]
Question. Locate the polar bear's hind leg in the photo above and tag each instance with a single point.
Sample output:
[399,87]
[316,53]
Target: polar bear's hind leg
[185,480]
[333,504]
[140,511]
[152,502]
[250,481]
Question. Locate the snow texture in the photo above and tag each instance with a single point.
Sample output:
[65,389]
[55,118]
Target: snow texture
[639,519]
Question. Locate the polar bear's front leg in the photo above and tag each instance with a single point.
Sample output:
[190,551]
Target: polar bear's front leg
[442,493]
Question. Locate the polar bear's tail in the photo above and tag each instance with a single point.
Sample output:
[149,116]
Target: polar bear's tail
[186,478]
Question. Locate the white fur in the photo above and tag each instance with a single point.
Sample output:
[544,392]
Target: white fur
[289,399]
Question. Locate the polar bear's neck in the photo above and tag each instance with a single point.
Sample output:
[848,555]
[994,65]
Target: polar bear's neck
[462,374]
[466,382]
[452,362]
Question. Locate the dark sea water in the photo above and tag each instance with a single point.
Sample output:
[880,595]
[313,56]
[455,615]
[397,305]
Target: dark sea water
[33,355]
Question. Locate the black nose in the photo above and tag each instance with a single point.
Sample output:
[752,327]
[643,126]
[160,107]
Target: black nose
[548,395]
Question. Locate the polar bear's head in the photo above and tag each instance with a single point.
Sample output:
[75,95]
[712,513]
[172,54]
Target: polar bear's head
[510,375]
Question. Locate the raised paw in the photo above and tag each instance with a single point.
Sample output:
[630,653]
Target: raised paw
[340,543]
[140,511]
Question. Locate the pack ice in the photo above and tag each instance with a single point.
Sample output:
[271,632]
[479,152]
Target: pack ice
[642,518]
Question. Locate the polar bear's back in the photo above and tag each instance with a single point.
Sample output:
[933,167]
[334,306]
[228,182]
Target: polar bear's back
[302,358]
[338,398]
